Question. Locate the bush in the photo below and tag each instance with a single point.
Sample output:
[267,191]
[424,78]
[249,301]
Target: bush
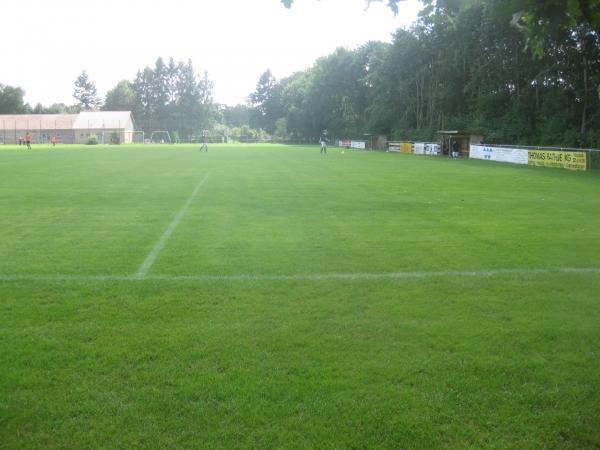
[92,140]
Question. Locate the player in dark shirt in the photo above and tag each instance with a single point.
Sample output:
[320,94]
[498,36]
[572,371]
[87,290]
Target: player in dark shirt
[323,141]
[204,141]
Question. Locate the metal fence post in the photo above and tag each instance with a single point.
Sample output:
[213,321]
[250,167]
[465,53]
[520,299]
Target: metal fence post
[589,159]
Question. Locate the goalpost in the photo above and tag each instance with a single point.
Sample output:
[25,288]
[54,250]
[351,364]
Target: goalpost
[161,137]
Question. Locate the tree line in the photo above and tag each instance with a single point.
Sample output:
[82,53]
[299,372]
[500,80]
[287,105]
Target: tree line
[168,96]
[468,67]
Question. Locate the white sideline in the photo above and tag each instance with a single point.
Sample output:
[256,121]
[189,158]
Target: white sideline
[306,277]
[143,270]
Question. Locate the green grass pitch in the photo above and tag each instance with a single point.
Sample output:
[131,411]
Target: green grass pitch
[269,297]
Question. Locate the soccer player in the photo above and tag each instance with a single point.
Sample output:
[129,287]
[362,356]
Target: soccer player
[455,149]
[323,141]
[204,141]
[53,140]
[28,140]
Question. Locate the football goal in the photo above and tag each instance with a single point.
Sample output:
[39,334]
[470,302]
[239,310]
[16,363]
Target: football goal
[160,137]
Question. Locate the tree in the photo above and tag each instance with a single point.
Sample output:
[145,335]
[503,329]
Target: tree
[171,97]
[236,116]
[120,98]
[539,20]
[296,104]
[160,91]
[461,66]
[59,108]
[261,98]
[11,100]
[85,92]
[207,107]
[142,106]
[264,87]
[281,128]
[189,110]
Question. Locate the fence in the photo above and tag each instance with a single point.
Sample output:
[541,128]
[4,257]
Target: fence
[246,140]
[69,136]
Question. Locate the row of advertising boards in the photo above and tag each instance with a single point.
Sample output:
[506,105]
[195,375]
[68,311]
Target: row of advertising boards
[573,160]
[418,148]
[353,144]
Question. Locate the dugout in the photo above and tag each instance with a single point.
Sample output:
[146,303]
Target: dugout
[460,139]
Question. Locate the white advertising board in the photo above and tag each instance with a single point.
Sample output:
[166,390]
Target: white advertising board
[432,149]
[393,146]
[501,154]
[426,148]
[358,144]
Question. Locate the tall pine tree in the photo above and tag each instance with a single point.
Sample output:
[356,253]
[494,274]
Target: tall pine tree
[86,93]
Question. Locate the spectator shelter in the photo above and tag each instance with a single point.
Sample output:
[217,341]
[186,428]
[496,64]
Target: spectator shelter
[459,141]
[108,126]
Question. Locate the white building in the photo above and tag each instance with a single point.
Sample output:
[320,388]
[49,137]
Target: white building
[108,126]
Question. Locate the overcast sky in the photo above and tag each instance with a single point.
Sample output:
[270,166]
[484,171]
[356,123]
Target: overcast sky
[47,43]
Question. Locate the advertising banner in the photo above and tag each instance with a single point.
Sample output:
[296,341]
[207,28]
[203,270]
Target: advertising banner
[406,147]
[554,158]
[426,148]
[432,149]
[358,144]
[393,146]
[500,154]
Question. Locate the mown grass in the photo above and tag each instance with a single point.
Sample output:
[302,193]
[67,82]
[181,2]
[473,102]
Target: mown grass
[503,361]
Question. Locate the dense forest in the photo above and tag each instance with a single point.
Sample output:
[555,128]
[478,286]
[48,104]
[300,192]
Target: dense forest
[474,68]
[468,68]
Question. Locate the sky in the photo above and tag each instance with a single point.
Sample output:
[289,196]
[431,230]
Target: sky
[46,44]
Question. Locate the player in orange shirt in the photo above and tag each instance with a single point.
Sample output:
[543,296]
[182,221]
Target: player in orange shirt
[28,140]
[53,140]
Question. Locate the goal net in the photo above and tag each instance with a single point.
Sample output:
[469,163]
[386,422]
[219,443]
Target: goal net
[160,137]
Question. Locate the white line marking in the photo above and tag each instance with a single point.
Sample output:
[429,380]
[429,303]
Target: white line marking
[143,270]
[306,277]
